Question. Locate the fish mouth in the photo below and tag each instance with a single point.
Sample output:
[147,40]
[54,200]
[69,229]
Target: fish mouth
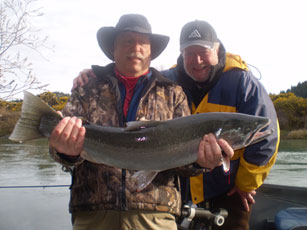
[259,135]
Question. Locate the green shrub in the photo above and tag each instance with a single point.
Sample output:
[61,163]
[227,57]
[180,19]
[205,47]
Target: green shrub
[8,120]
[297,134]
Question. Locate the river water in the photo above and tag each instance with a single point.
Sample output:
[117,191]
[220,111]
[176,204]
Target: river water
[24,205]
[34,192]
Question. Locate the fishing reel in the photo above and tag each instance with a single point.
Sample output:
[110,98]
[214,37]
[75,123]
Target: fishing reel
[201,218]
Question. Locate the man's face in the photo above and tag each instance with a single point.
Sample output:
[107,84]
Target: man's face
[198,61]
[132,53]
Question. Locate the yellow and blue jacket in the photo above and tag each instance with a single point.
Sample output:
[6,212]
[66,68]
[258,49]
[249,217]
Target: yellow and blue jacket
[232,88]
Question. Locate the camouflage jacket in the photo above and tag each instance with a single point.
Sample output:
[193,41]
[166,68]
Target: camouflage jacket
[100,187]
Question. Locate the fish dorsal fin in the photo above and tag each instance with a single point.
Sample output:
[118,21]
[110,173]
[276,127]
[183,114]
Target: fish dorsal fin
[138,125]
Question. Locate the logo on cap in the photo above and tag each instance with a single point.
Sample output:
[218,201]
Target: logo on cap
[195,34]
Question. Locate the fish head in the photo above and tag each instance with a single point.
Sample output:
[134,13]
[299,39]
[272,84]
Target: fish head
[244,131]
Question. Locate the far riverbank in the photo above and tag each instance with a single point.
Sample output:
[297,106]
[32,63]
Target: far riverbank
[9,119]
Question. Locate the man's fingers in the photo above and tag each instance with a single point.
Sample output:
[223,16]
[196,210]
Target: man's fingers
[80,140]
[245,203]
[231,192]
[205,157]
[83,79]
[201,149]
[251,199]
[209,150]
[90,73]
[77,138]
[84,76]
[78,81]
[68,136]
[68,129]
[247,198]
[75,131]
[75,84]
[57,131]
[226,148]
[56,134]
[201,157]
[87,74]
[215,149]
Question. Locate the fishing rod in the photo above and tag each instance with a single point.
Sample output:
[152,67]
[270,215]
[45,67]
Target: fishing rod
[259,72]
[35,186]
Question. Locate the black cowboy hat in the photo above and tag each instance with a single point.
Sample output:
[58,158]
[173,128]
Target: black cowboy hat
[135,23]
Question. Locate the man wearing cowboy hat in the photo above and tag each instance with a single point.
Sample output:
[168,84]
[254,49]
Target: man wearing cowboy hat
[104,197]
[217,81]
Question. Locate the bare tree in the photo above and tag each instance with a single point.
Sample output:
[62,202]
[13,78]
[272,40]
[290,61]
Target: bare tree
[17,34]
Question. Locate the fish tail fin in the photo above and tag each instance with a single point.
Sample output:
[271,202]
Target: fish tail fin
[27,127]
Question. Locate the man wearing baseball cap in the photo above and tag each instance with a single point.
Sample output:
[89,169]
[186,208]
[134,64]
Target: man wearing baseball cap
[216,81]
[104,197]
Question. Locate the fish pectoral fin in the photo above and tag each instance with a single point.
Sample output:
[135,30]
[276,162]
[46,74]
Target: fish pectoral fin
[226,163]
[138,125]
[143,179]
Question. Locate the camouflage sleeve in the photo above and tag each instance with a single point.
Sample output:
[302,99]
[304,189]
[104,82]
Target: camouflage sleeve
[181,104]
[63,159]
[78,104]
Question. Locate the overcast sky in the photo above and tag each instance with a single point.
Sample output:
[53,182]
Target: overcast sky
[268,34]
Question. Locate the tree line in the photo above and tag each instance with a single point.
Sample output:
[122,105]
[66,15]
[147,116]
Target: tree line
[291,107]
[291,111]
[300,90]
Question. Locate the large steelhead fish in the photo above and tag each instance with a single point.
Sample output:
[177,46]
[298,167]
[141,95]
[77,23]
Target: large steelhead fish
[144,145]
